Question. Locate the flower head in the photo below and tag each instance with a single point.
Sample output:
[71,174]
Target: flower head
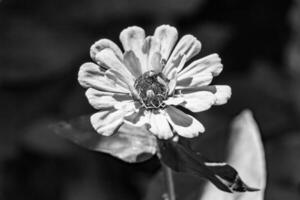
[144,85]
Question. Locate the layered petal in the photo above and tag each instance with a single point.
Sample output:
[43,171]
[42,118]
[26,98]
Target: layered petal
[103,44]
[138,118]
[209,64]
[132,63]
[107,59]
[132,38]
[151,49]
[188,45]
[172,76]
[156,62]
[174,64]
[184,124]
[222,92]
[167,36]
[159,125]
[195,80]
[107,121]
[90,76]
[100,99]
[194,101]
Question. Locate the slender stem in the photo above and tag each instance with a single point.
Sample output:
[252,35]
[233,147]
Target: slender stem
[169,183]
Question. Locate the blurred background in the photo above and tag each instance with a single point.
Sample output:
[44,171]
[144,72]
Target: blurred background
[43,43]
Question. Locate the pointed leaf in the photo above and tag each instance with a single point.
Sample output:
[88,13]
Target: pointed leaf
[182,159]
[130,144]
[246,154]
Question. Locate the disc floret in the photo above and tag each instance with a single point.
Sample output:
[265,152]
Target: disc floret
[152,89]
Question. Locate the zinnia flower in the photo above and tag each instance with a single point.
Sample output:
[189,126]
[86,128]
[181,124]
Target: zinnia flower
[145,84]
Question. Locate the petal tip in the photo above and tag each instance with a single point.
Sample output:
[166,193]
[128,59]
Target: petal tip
[223,94]
[103,44]
[131,31]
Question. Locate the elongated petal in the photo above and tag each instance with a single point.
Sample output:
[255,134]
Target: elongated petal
[106,122]
[132,38]
[194,80]
[132,63]
[198,101]
[156,62]
[209,64]
[167,36]
[139,118]
[195,101]
[151,49]
[91,76]
[172,76]
[103,44]
[159,125]
[184,124]
[175,100]
[222,92]
[107,59]
[171,65]
[188,45]
[99,99]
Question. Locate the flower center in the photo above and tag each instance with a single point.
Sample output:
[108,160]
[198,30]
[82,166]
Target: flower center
[152,89]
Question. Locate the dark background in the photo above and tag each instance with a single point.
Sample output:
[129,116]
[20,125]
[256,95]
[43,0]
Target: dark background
[44,42]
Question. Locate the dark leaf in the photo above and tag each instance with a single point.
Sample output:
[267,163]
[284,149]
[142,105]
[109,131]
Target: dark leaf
[131,144]
[183,159]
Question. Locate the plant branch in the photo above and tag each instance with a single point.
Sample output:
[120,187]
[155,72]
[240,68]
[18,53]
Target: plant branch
[169,183]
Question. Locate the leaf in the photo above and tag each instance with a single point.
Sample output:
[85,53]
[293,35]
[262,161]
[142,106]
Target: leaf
[246,154]
[130,144]
[181,158]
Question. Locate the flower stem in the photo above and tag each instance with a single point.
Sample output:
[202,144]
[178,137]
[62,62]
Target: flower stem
[169,183]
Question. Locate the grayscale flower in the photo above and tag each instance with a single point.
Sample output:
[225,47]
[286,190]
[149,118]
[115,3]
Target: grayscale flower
[145,84]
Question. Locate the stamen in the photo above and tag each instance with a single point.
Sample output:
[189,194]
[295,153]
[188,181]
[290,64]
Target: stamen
[152,89]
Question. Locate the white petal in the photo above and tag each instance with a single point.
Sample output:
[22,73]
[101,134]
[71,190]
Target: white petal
[107,59]
[222,94]
[132,63]
[194,101]
[184,124]
[132,38]
[176,63]
[188,45]
[106,122]
[209,64]
[159,125]
[99,99]
[175,100]
[90,75]
[151,49]
[172,76]
[156,62]
[172,85]
[198,101]
[139,118]
[194,80]
[122,79]
[103,44]
[167,36]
